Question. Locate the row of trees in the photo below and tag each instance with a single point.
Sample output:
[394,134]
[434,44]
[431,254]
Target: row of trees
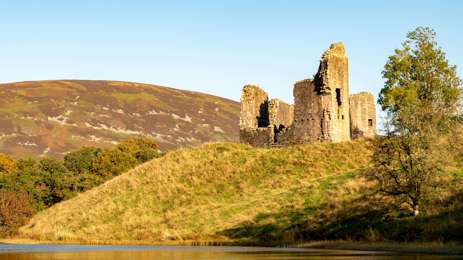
[422,98]
[29,185]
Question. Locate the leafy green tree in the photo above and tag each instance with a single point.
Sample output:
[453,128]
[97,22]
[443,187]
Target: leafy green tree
[47,181]
[85,181]
[143,149]
[30,178]
[7,164]
[146,155]
[421,97]
[80,161]
[7,167]
[57,179]
[132,145]
[111,163]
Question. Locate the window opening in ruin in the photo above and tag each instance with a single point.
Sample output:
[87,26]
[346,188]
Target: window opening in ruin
[370,122]
[338,100]
[338,96]
[262,119]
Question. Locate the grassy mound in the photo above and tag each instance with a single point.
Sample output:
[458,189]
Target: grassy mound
[215,192]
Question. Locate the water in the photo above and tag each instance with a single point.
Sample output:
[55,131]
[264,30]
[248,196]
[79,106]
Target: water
[81,252]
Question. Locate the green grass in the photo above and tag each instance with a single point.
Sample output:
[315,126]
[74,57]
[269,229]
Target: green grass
[18,105]
[202,193]
[133,97]
[232,193]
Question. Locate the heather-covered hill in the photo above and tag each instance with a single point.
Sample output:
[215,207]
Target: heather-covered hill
[53,117]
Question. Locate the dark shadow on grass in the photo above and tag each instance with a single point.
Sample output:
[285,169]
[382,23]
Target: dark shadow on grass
[362,219]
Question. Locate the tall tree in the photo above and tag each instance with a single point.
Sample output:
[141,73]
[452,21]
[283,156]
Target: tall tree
[421,97]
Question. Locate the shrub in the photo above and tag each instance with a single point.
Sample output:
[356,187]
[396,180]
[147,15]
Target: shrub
[143,149]
[15,209]
[57,179]
[47,181]
[112,163]
[7,164]
[80,161]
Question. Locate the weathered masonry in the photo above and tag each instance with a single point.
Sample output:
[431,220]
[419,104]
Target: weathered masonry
[362,115]
[322,111]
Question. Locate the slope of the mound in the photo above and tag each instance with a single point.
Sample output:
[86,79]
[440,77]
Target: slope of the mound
[53,117]
[203,193]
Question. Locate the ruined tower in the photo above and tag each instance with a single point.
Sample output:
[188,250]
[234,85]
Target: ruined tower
[362,115]
[308,113]
[321,105]
[332,81]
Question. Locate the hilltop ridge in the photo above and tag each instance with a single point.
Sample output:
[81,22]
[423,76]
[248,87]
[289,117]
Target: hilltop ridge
[50,118]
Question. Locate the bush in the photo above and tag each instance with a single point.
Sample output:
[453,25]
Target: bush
[134,144]
[80,161]
[111,163]
[47,181]
[15,210]
[7,164]
[57,180]
[146,155]
[143,149]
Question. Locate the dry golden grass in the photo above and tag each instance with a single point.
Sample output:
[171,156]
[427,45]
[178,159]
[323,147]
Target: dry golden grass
[196,194]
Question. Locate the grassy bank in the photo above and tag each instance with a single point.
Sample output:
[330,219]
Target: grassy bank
[204,193]
[234,194]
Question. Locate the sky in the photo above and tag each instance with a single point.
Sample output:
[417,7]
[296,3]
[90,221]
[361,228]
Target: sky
[214,46]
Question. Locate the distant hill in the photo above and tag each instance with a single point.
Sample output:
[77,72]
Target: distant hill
[214,192]
[53,117]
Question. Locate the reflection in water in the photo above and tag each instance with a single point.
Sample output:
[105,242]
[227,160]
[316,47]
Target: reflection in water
[68,252]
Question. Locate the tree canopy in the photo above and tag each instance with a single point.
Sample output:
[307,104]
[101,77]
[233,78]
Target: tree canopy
[421,97]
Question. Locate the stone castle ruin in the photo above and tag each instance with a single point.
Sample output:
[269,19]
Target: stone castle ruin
[322,110]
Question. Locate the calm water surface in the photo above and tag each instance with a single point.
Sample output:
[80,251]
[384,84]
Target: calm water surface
[80,252]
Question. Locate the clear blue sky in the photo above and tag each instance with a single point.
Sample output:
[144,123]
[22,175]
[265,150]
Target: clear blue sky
[213,46]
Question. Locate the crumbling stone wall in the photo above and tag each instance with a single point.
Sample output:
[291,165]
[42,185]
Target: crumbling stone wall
[362,115]
[254,107]
[254,120]
[259,137]
[281,114]
[321,110]
[307,114]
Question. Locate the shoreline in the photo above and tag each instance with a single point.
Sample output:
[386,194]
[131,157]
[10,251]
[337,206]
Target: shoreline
[423,248]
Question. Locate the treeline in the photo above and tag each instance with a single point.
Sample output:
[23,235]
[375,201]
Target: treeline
[33,184]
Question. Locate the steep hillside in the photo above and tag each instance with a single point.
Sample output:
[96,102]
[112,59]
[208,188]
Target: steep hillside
[220,192]
[54,117]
